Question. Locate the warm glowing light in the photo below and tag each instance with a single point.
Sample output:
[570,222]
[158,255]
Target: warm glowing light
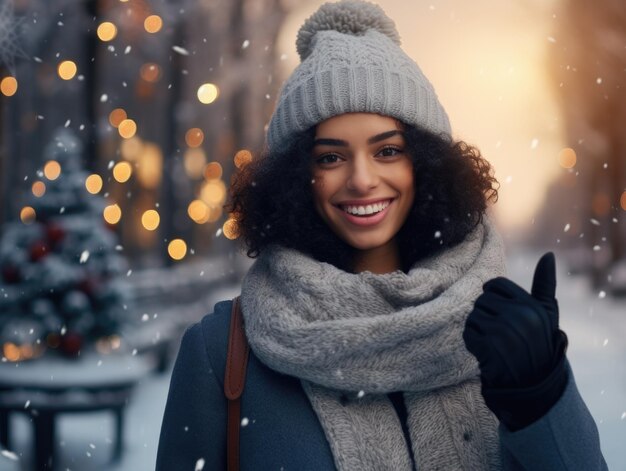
[194,137]
[242,158]
[622,201]
[131,148]
[230,229]
[112,214]
[11,351]
[198,211]
[567,158]
[27,215]
[27,351]
[194,162]
[67,70]
[107,31]
[38,189]
[8,86]
[214,214]
[213,192]
[150,166]
[177,249]
[150,219]
[93,183]
[213,170]
[150,72]
[52,170]
[127,128]
[122,171]
[601,204]
[208,93]
[117,116]
[153,24]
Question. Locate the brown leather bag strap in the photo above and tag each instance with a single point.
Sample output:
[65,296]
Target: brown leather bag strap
[234,380]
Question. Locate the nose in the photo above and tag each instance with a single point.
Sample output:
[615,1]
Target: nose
[363,175]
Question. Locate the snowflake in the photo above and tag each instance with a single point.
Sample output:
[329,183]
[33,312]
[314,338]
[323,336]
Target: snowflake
[10,27]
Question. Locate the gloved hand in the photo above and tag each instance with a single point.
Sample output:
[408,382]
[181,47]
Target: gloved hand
[516,339]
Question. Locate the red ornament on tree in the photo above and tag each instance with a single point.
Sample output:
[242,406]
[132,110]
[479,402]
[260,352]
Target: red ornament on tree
[38,251]
[55,234]
[71,344]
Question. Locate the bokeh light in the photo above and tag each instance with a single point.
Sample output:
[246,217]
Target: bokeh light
[230,229]
[567,158]
[52,169]
[153,24]
[131,148]
[208,93]
[8,86]
[194,137]
[28,215]
[149,166]
[150,72]
[177,249]
[11,351]
[622,201]
[242,158]
[213,170]
[39,189]
[67,70]
[213,192]
[194,161]
[127,128]
[122,171]
[198,211]
[107,31]
[117,116]
[112,214]
[150,219]
[93,183]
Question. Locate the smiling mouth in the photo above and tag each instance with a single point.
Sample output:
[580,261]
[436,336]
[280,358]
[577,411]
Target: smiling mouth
[365,210]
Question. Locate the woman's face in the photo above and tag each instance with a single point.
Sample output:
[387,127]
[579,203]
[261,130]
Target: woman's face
[363,178]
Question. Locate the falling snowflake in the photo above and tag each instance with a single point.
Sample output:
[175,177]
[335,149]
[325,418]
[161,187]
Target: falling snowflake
[245,421]
[199,465]
[10,27]
[84,256]
[12,456]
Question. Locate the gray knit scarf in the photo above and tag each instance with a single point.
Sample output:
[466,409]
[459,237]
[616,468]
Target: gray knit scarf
[353,338]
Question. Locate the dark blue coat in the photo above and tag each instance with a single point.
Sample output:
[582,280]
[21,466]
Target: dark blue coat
[283,432]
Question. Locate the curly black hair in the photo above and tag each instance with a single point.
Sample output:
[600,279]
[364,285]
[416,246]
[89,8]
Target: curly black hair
[271,199]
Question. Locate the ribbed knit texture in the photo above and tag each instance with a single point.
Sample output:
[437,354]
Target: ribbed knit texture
[343,333]
[352,62]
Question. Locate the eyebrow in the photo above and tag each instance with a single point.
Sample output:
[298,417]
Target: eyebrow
[372,140]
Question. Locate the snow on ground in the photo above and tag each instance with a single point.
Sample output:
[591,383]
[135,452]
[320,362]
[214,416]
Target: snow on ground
[596,328]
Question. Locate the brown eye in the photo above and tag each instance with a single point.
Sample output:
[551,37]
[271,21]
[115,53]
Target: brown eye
[390,152]
[327,159]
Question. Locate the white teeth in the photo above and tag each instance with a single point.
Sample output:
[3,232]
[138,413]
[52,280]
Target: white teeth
[366,210]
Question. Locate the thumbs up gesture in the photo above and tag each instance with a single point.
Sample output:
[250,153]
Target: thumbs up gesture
[515,337]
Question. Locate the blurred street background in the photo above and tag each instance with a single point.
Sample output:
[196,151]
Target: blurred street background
[122,122]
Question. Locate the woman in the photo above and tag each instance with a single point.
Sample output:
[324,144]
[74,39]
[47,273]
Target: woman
[382,333]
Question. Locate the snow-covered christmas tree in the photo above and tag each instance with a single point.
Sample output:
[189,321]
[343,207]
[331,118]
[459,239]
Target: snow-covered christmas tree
[60,289]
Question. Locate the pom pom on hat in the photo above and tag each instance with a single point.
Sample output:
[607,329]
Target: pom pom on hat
[353,17]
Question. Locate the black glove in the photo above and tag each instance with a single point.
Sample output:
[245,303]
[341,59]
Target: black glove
[520,350]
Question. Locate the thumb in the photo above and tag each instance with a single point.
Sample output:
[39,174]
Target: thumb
[544,280]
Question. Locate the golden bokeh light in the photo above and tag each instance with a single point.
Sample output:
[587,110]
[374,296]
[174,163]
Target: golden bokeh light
[93,183]
[622,201]
[107,31]
[112,214]
[122,171]
[150,219]
[150,72]
[8,86]
[127,128]
[27,215]
[194,161]
[242,158]
[567,158]
[39,189]
[194,137]
[131,148]
[230,229]
[149,166]
[214,214]
[153,24]
[52,169]
[67,70]
[11,351]
[213,170]
[198,211]
[177,249]
[117,116]
[213,192]
[208,93]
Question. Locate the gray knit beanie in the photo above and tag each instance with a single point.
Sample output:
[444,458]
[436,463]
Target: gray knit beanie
[351,61]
